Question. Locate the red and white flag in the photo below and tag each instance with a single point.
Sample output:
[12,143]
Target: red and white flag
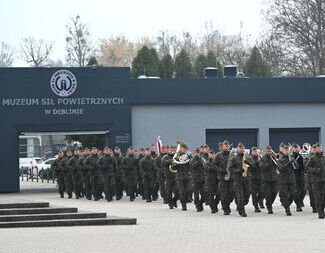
[159,145]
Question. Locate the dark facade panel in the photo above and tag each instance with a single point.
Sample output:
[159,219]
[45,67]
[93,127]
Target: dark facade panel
[290,135]
[246,136]
[227,90]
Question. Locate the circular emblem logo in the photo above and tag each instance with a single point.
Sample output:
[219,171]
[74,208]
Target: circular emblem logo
[63,83]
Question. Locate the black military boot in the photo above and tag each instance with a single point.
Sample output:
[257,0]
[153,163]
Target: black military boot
[288,213]
[242,213]
[257,210]
[321,215]
[269,210]
[184,207]
[298,209]
[171,206]
[261,204]
[62,195]
[226,211]
[314,210]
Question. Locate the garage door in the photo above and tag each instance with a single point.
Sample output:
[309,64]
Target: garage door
[246,136]
[290,135]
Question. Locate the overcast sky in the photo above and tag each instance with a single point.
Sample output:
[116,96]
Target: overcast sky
[45,19]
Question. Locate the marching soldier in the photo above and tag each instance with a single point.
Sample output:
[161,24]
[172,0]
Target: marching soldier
[68,171]
[161,174]
[269,171]
[107,165]
[74,166]
[171,184]
[119,176]
[131,167]
[237,170]
[147,171]
[225,186]
[316,165]
[198,177]
[57,166]
[255,179]
[183,176]
[90,166]
[300,177]
[310,180]
[286,179]
[140,187]
[85,174]
[212,183]
[156,182]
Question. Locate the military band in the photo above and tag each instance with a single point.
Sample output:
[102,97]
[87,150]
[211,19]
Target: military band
[232,174]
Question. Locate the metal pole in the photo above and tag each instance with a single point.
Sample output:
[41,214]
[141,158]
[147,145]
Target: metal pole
[37,174]
[53,177]
[22,173]
[47,177]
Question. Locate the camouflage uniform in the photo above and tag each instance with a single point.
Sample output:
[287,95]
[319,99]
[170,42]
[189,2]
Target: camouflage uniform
[161,176]
[255,182]
[198,177]
[269,181]
[225,186]
[316,165]
[74,166]
[119,177]
[171,185]
[107,165]
[57,166]
[131,168]
[147,172]
[183,176]
[241,191]
[212,185]
[68,171]
[287,188]
[90,166]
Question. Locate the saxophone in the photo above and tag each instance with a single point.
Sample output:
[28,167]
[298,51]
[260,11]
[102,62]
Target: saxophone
[245,166]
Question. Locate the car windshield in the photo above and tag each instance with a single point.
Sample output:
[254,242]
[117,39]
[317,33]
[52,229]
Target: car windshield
[49,162]
[38,161]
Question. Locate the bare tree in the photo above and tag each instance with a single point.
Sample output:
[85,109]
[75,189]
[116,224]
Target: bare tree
[116,52]
[35,52]
[298,27]
[6,55]
[78,43]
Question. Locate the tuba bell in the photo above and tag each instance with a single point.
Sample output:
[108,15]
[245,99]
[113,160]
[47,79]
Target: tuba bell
[179,143]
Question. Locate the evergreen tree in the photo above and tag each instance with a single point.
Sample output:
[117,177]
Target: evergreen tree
[200,64]
[212,62]
[92,61]
[183,66]
[145,63]
[166,67]
[256,66]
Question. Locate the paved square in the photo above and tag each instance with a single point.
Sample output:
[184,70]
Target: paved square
[162,230]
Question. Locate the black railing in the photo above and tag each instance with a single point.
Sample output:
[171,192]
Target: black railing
[47,176]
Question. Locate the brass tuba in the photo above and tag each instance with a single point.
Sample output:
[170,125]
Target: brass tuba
[179,143]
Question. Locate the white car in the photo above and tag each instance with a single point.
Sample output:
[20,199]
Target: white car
[45,165]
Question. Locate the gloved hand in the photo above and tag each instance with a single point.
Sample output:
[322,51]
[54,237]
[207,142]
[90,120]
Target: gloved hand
[246,162]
